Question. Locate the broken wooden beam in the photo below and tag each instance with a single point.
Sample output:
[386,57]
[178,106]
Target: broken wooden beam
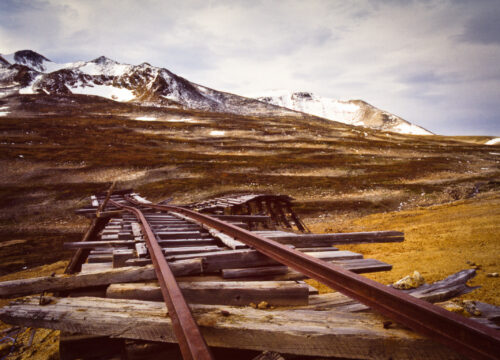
[244,218]
[453,286]
[318,240]
[15,288]
[254,271]
[229,259]
[236,293]
[302,332]
[224,238]
[191,250]
[80,255]
[358,266]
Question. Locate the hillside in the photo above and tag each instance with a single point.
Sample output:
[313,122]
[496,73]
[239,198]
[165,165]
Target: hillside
[55,153]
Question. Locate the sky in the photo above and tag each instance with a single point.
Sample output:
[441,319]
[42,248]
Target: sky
[436,63]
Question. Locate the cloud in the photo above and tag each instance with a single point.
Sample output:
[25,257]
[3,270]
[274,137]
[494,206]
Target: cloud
[482,24]
[432,62]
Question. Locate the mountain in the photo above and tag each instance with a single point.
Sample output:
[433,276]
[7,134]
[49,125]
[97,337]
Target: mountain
[353,112]
[30,59]
[27,72]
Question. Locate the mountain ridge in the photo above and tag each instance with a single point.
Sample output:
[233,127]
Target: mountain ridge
[352,112]
[108,78]
[27,72]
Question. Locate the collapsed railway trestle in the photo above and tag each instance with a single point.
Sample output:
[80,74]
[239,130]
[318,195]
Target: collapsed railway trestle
[131,239]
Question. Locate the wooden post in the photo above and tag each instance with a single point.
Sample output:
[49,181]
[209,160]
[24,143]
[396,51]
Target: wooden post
[106,199]
[81,255]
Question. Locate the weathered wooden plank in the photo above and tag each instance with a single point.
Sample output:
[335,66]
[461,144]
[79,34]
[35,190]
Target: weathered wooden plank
[164,235]
[136,229]
[187,242]
[251,258]
[301,332]
[356,265]
[94,201]
[14,288]
[80,255]
[99,258]
[126,235]
[94,244]
[138,262]
[275,293]
[334,255]
[141,249]
[191,249]
[121,255]
[446,289]
[239,224]
[110,237]
[229,259]
[227,240]
[314,240]
[244,218]
[93,267]
[317,249]
[245,258]
[255,271]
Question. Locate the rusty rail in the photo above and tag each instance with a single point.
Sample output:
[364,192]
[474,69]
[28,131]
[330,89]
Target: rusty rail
[464,335]
[187,332]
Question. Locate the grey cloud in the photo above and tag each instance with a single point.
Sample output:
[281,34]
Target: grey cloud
[483,28]
[432,77]
[418,59]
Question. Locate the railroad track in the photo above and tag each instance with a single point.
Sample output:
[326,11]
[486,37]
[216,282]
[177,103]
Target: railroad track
[137,232]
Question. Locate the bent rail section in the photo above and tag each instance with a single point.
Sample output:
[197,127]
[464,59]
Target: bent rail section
[187,332]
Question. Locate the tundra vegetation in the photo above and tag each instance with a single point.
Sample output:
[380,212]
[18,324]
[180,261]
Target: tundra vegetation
[57,152]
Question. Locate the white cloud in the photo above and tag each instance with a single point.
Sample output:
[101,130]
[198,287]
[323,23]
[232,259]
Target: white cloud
[431,62]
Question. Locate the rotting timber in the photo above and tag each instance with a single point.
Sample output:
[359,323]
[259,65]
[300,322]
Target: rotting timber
[218,263]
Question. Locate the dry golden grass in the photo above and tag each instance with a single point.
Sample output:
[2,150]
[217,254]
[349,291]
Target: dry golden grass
[45,342]
[439,241]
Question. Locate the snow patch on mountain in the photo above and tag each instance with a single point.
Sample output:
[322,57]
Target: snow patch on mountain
[145,118]
[107,91]
[407,128]
[495,141]
[104,66]
[3,111]
[186,120]
[352,112]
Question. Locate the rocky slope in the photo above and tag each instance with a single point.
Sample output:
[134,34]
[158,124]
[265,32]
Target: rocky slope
[353,112]
[27,72]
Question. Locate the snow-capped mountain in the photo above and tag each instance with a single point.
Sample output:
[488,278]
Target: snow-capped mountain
[353,112]
[27,72]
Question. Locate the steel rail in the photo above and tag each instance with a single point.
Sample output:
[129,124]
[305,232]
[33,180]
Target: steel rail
[468,337]
[187,332]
